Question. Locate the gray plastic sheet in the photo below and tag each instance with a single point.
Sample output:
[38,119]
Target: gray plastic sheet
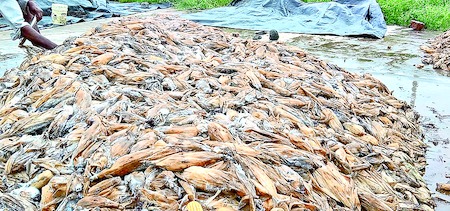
[340,17]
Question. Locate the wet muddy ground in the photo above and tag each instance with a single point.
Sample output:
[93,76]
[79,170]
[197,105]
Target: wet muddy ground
[391,60]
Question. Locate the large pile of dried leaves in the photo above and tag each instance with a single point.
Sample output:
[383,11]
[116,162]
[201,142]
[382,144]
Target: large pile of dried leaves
[155,113]
[438,52]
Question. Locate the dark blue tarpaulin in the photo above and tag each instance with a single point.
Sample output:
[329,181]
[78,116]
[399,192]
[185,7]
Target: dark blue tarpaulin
[340,17]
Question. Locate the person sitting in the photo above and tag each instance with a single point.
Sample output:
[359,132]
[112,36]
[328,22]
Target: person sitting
[19,14]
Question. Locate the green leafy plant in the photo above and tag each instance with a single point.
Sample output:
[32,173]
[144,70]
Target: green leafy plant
[434,13]
[188,4]
[149,1]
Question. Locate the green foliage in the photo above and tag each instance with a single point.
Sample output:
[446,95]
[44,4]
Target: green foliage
[188,4]
[201,4]
[434,13]
[149,1]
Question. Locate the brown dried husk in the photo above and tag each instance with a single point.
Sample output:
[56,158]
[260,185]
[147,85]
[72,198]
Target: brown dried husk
[158,112]
[437,52]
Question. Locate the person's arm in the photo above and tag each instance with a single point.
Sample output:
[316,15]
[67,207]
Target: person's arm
[34,9]
[37,39]
[31,34]
[12,12]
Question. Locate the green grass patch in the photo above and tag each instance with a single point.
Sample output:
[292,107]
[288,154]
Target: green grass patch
[149,1]
[201,4]
[188,4]
[434,13]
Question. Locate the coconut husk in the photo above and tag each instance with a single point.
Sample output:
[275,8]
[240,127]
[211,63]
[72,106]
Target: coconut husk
[437,52]
[162,113]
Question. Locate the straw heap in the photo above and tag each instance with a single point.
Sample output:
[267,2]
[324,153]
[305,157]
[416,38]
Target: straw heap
[158,112]
[438,52]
